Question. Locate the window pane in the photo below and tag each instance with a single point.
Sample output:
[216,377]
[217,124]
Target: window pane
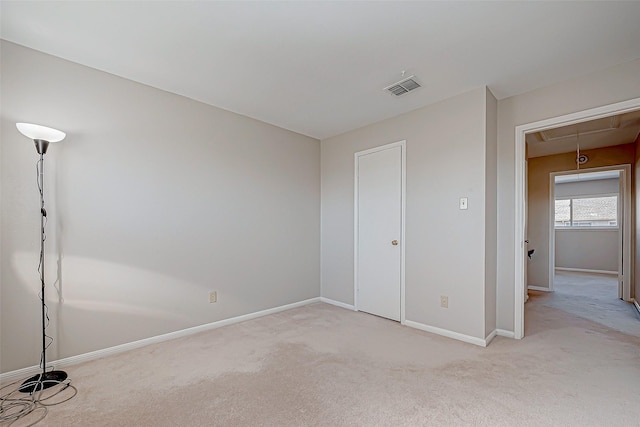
[563,213]
[595,212]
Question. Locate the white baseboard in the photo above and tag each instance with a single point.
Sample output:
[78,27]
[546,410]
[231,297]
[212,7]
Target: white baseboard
[490,337]
[586,270]
[505,333]
[539,288]
[635,302]
[446,333]
[499,333]
[73,360]
[338,303]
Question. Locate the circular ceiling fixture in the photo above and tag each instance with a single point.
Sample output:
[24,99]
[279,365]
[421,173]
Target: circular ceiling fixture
[582,159]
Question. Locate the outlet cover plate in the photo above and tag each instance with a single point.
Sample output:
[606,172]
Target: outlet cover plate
[444,301]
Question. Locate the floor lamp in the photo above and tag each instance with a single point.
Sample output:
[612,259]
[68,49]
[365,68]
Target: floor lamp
[42,136]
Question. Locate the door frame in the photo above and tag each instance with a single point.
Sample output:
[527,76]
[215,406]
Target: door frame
[521,204]
[624,226]
[403,150]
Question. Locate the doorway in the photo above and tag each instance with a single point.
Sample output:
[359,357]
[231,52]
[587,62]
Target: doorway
[521,202]
[590,224]
[379,212]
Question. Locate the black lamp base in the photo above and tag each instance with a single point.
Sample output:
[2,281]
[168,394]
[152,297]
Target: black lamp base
[42,381]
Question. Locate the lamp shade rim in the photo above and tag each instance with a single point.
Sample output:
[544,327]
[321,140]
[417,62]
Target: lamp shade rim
[44,133]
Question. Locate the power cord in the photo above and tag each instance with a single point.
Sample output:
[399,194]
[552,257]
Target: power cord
[14,405]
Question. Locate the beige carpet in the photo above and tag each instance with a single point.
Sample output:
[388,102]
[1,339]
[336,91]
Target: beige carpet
[594,297]
[321,365]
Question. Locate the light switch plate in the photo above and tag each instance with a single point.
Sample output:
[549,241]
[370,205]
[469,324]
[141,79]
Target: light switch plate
[463,203]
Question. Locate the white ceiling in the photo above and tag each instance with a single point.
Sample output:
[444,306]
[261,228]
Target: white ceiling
[318,68]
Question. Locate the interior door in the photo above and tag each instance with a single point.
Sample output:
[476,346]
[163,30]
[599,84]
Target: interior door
[379,229]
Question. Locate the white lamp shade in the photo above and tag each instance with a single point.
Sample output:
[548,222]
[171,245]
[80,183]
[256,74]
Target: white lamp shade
[40,132]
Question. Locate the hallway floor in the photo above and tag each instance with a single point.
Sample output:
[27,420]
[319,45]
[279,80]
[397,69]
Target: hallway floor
[590,296]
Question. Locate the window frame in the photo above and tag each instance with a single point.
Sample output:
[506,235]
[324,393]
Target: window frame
[587,227]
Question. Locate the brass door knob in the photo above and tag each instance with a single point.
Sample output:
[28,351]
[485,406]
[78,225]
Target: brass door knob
[394,242]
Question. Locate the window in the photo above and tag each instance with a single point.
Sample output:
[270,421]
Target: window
[587,212]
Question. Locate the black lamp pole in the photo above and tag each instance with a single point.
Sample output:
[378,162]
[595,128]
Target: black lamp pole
[43,379]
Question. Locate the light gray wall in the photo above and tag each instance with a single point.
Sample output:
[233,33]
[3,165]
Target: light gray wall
[615,84]
[154,200]
[491,217]
[445,247]
[587,249]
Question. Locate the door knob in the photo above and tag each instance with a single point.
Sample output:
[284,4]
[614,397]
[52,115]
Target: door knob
[394,242]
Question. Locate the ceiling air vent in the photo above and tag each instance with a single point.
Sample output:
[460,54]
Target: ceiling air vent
[403,86]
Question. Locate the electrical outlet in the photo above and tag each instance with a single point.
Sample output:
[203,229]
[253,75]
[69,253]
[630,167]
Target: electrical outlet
[444,301]
[213,297]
